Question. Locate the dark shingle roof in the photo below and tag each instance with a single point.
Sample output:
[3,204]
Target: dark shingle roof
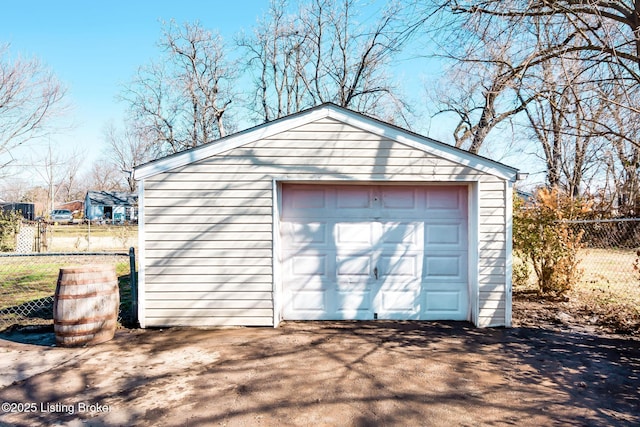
[112,198]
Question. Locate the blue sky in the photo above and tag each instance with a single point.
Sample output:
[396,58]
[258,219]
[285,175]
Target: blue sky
[94,47]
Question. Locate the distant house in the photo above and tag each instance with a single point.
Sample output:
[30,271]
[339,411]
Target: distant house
[111,206]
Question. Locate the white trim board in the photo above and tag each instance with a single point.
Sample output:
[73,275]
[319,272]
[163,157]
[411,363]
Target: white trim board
[141,258]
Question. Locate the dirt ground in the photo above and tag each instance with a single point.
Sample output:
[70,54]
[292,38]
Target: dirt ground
[545,371]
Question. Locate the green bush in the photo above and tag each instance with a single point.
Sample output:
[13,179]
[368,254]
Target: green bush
[542,237]
[9,227]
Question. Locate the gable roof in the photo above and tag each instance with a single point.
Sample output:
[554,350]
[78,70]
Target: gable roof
[112,198]
[327,110]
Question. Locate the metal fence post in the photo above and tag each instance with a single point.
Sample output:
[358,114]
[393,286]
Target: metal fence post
[134,285]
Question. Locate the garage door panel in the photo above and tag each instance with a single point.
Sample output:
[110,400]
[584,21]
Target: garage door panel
[310,264]
[399,304]
[443,266]
[354,234]
[307,197]
[352,301]
[401,233]
[354,197]
[353,203]
[451,235]
[443,301]
[309,269]
[304,234]
[398,266]
[404,198]
[447,198]
[305,201]
[447,301]
[444,234]
[310,300]
[354,265]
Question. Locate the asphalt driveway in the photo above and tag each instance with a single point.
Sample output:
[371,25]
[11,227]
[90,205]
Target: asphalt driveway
[324,373]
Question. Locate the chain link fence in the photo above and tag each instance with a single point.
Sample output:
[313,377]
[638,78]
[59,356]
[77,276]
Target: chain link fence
[28,283]
[609,261]
[610,250]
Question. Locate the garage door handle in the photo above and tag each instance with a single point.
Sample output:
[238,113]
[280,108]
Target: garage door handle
[375,272]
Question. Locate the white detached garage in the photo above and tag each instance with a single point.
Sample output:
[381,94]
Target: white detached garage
[325,214]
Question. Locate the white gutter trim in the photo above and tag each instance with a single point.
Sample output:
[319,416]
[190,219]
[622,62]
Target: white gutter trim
[508,294]
[276,258]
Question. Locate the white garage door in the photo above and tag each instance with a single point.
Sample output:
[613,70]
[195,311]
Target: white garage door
[367,252]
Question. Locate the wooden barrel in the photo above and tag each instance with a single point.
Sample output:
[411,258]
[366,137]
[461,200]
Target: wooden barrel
[85,305]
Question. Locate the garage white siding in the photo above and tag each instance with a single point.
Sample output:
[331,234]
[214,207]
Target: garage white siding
[209,225]
[492,260]
[208,250]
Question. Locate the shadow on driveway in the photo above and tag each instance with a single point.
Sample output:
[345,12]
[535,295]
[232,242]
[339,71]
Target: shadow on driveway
[332,373]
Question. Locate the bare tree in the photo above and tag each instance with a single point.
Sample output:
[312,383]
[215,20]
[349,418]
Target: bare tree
[150,99]
[603,36]
[321,53]
[50,166]
[604,31]
[127,148]
[481,94]
[30,97]
[624,158]
[490,61]
[70,181]
[104,177]
[276,53]
[562,118]
[16,189]
[627,180]
[570,68]
[181,100]
[204,78]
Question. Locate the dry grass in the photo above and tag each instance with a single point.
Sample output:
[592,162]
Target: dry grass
[608,294]
[610,289]
[85,238]
[609,266]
